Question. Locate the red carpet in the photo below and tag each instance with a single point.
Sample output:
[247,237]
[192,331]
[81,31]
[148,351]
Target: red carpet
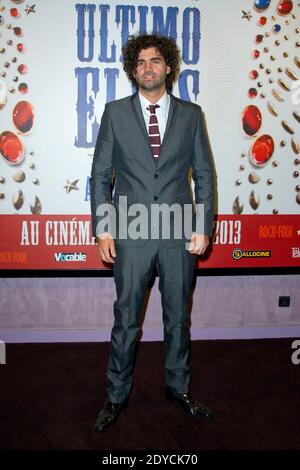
[51,394]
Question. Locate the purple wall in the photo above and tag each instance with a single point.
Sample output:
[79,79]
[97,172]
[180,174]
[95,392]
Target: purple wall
[81,309]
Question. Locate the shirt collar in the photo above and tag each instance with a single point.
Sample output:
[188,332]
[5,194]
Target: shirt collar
[162,102]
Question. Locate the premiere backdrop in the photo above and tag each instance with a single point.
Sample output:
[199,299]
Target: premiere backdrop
[60,62]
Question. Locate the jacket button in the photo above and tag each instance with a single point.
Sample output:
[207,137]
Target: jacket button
[155,198]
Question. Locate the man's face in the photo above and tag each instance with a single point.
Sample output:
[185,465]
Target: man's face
[151,70]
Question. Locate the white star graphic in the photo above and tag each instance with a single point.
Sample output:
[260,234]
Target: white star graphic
[246,15]
[71,185]
[30,9]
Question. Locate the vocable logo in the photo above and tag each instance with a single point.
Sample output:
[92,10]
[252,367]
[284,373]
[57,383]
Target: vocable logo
[68,257]
[238,254]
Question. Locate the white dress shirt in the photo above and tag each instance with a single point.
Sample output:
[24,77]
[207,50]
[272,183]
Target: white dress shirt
[162,112]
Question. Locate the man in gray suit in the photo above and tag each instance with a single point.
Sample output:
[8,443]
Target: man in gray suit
[147,145]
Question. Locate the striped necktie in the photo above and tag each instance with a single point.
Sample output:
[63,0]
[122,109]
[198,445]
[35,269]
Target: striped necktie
[154,131]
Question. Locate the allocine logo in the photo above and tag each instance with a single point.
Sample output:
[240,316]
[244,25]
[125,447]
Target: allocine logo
[238,254]
[67,257]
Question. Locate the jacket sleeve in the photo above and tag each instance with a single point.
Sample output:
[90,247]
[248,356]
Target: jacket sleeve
[102,170]
[203,176]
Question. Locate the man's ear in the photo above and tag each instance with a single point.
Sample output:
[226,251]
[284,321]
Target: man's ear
[168,69]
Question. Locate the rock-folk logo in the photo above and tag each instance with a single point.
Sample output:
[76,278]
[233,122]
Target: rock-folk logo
[69,257]
[238,254]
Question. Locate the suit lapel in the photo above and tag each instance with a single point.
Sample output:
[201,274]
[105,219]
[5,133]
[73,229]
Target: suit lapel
[170,123]
[138,114]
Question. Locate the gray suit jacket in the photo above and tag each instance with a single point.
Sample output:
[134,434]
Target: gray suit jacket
[123,154]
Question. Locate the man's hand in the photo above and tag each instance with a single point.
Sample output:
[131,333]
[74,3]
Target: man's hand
[106,246]
[198,244]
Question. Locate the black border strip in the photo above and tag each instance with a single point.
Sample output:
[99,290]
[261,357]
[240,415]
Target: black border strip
[48,273]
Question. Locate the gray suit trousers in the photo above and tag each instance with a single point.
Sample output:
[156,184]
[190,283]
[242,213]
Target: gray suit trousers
[132,271]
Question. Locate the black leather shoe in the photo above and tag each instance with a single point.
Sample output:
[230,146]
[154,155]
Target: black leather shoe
[109,415]
[193,407]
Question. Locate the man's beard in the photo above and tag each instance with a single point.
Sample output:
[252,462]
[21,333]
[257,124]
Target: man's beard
[155,84]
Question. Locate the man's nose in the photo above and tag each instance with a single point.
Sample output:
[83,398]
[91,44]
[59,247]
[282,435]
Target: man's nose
[148,65]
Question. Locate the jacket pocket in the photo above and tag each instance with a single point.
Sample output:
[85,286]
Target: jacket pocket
[183,198]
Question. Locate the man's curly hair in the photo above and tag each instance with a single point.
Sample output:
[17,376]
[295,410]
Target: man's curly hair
[167,48]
